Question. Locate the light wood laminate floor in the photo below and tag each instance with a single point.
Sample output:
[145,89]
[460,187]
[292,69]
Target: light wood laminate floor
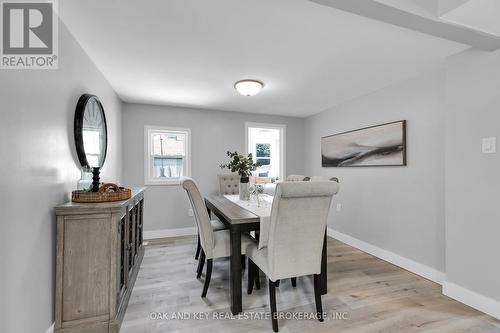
[371,294]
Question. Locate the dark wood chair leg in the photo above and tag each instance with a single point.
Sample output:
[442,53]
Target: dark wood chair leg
[243,261]
[277,283]
[294,282]
[201,262]
[198,248]
[251,276]
[323,278]
[207,278]
[272,299]
[317,297]
[257,277]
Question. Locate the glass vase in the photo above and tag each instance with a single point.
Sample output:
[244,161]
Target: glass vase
[85,182]
[244,189]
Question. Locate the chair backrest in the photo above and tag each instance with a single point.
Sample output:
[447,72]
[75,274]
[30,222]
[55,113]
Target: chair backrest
[295,178]
[200,215]
[323,179]
[229,184]
[297,228]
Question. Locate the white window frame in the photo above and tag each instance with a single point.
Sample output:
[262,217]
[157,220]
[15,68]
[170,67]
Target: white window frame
[282,129]
[148,131]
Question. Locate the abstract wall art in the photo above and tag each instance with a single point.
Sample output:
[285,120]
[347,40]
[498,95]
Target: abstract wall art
[380,145]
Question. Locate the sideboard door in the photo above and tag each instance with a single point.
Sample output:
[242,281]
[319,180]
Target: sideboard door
[86,267]
[120,260]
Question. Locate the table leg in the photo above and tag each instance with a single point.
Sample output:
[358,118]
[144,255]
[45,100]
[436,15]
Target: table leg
[235,275]
[323,277]
[257,269]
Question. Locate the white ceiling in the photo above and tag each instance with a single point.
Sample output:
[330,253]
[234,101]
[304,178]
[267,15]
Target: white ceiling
[190,52]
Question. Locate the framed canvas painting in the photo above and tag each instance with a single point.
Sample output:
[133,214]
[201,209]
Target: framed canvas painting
[380,145]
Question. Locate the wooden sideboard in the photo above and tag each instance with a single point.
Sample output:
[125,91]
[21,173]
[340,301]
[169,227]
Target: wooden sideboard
[99,252]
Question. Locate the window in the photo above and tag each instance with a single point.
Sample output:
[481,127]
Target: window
[266,142]
[91,142]
[263,153]
[166,155]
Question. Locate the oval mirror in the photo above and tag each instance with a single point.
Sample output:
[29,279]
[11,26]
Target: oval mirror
[91,136]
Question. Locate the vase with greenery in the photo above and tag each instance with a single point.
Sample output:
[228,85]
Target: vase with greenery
[243,166]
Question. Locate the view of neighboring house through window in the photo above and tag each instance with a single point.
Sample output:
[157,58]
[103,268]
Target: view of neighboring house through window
[263,153]
[266,143]
[168,153]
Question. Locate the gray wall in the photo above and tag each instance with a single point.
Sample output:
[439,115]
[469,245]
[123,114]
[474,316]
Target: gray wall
[212,134]
[38,169]
[473,178]
[399,209]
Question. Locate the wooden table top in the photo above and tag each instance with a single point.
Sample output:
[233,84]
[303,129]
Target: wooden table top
[232,213]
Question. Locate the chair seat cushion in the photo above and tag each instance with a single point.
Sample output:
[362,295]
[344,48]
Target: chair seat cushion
[217,225]
[222,244]
[258,256]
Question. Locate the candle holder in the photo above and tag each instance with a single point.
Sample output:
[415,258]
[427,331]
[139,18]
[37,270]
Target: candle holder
[95,179]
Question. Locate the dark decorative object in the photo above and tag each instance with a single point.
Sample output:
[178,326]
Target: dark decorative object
[380,145]
[95,179]
[91,137]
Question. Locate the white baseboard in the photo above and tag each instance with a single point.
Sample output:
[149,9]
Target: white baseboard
[408,264]
[167,233]
[50,329]
[472,299]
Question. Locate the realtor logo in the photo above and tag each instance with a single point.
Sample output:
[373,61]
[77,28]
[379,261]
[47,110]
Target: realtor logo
[29,34]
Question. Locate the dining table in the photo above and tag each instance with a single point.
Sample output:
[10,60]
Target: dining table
[239,217]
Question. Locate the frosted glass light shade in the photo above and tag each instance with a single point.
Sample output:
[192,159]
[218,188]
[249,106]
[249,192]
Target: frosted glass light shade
[248,87]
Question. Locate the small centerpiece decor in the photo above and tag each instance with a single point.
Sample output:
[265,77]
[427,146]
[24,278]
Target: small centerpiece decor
[85,182]
[243,166]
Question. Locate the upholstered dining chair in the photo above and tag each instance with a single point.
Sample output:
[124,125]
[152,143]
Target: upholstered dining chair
[296,234]
[214,244]
[296,178]
[216,226]
[312,179]
[323,179]
[229,184]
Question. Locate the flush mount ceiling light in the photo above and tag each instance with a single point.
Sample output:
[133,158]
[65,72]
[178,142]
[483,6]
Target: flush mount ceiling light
[248,87]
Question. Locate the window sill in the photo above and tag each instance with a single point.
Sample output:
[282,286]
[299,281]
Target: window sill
[172,182]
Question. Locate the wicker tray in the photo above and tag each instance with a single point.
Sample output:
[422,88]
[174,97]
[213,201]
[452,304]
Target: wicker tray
[107,193]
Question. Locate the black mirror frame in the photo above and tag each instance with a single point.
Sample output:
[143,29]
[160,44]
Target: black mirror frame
[78,128]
